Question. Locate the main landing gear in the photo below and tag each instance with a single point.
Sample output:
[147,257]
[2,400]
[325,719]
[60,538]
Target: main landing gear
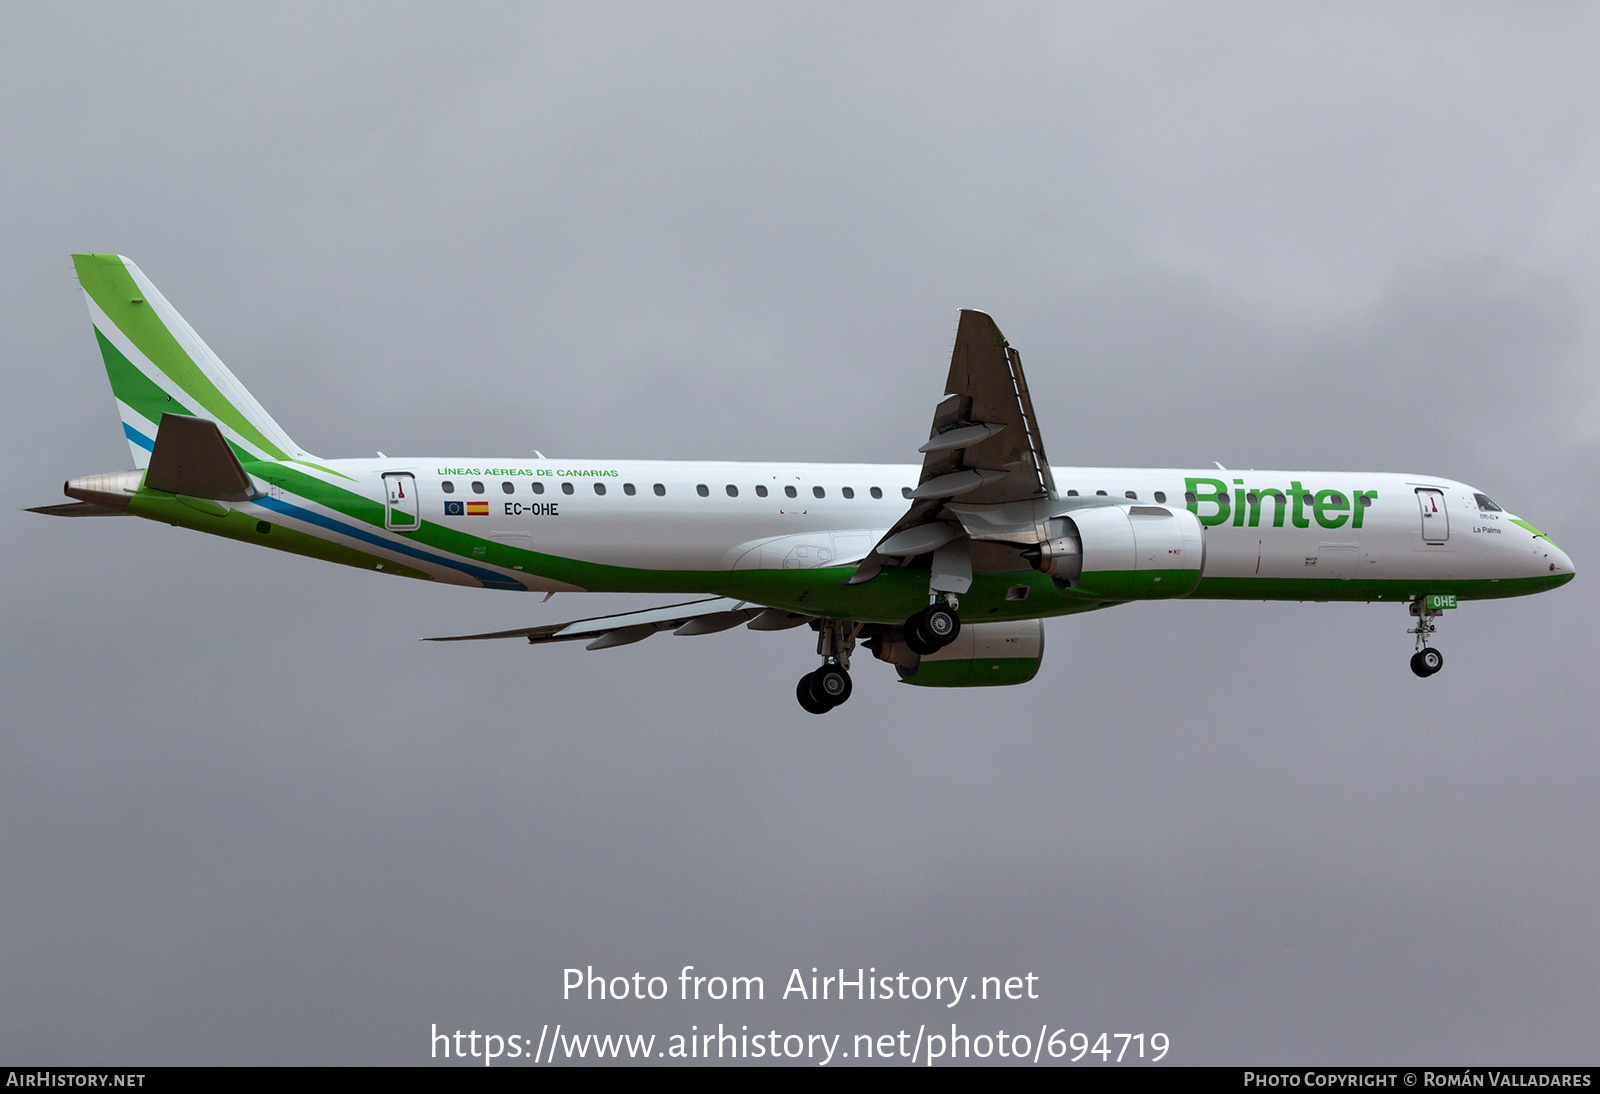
[1427,660]
[934,627]
[829,686]
[819,691]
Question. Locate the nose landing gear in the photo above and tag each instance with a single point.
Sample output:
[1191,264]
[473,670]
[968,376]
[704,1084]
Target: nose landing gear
[1427,660]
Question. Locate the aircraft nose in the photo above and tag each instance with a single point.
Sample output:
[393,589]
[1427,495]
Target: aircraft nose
[1558,561]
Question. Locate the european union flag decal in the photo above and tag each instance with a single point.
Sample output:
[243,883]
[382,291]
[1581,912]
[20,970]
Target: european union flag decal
[453,509]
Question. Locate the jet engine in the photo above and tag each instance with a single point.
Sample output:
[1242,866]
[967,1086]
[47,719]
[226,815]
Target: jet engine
[1124,552]
[982,655]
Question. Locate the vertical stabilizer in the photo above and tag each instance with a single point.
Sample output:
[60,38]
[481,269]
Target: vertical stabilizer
[158,365]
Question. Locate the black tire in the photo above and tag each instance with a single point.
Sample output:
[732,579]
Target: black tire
[830,685]
[803,693]
[1430,659]
[917,638]
[941,623]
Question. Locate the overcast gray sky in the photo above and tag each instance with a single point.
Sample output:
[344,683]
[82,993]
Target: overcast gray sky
[245,817]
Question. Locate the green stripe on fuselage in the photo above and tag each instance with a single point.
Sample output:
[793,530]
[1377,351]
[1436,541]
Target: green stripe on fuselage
[172,509]
[1367,589]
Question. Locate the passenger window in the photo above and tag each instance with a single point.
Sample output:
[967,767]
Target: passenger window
[661,491]
[1366,501]
[447,486]
[761,491]
[877,492]
[1161,496]
[538,488]
[733,491]
[848,491]
[1131,494]
[1253,498]
[1099,493]
[477,487]
[508,487]
[818,491]
[789,492]
[703,490]
[600,488]
[1189,497]
[1072,493]
[566,488]
[905,491]
[627,488]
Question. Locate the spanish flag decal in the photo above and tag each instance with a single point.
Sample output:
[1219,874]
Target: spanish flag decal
[477,508]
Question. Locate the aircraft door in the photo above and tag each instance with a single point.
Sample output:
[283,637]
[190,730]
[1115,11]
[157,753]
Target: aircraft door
[1435,518]
[402,513]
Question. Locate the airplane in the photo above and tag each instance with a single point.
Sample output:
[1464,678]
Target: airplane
[944,569]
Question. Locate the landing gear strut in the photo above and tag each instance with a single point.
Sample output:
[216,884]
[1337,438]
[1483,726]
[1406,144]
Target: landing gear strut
[1427,660]
[934,627]
[829,686]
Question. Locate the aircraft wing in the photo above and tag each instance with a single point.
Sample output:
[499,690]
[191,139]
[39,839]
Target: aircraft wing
[983,448]
[695,617]
[984,445]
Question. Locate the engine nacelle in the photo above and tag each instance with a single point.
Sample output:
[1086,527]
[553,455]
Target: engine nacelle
[983,655]
[1124,552]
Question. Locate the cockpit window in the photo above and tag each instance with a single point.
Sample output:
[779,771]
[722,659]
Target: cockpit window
[1486,505]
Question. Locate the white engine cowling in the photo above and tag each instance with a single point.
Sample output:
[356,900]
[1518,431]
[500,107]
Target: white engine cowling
[1124,552]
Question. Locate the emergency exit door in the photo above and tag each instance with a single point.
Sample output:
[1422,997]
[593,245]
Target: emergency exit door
[1435,519]
[403,514]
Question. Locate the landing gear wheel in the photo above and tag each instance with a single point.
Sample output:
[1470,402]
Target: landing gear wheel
[830,685]
[802,692]
[917,637]
[1427,661]
[941,623]
[932,629]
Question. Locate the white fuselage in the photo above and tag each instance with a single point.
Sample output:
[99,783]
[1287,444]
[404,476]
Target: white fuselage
[699,516]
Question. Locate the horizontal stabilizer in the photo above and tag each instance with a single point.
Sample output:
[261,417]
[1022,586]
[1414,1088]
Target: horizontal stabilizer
[191,457]
[78,509]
